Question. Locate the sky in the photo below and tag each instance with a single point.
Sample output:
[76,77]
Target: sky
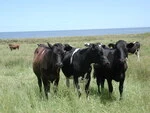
[46,15]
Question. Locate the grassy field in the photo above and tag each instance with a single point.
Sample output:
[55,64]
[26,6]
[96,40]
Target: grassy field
[19,92]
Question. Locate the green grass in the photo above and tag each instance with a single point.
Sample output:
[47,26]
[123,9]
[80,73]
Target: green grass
[19,92]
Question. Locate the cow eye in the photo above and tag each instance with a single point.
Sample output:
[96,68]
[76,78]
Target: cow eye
[101,52]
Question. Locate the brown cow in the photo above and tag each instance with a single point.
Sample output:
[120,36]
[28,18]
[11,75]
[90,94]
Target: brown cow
[46,65]
[14,46]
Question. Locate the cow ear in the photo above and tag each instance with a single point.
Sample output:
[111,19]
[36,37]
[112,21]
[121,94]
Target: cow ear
[130,45]
[39,45]
[49,45]
[104,46]
[87,44]
[67,47]
[111,45]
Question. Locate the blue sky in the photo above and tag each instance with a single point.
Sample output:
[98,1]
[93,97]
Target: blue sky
[41,15]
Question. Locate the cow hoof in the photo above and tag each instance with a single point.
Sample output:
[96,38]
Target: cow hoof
[121,98]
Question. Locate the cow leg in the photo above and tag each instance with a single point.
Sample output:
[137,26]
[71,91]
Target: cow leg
[110,86]
[56,85]
[76,82]
[40,83]
[46,83]
[88,79]
[98,81]
[67,82]
[46,87]
[138,55]
[102,84]
[121,88]
[98,84]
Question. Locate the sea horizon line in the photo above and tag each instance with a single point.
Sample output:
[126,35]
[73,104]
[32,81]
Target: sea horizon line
[74,29]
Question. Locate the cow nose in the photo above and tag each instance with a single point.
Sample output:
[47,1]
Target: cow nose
[107,63]
[59,65]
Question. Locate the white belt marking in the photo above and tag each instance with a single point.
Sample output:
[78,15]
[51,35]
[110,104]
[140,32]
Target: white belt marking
[71,59]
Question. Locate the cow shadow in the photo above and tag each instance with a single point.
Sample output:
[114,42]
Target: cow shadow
[104,97]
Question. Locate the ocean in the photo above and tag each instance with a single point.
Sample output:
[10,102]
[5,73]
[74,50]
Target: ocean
[69,33]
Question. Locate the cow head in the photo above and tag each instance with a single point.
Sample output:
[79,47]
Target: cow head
[133,47]
[97,53]
[58,52]
[67,47]
[122,50]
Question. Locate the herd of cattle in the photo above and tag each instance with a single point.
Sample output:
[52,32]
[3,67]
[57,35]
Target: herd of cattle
[109,62]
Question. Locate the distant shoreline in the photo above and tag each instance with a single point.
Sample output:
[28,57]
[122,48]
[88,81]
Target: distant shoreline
[76,29]
[71,33]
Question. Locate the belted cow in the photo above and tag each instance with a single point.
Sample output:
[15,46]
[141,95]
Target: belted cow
[77,63]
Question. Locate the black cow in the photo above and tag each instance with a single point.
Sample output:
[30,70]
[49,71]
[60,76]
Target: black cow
[46,65]
[77,62]
[117,68]
[71,50]
[135,49]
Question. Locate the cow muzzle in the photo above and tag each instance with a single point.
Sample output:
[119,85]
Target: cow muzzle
[60,65]
[106,61]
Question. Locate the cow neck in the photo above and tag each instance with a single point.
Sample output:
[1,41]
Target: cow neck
[51,57]
[71,59]
[111,54]
[88,56]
